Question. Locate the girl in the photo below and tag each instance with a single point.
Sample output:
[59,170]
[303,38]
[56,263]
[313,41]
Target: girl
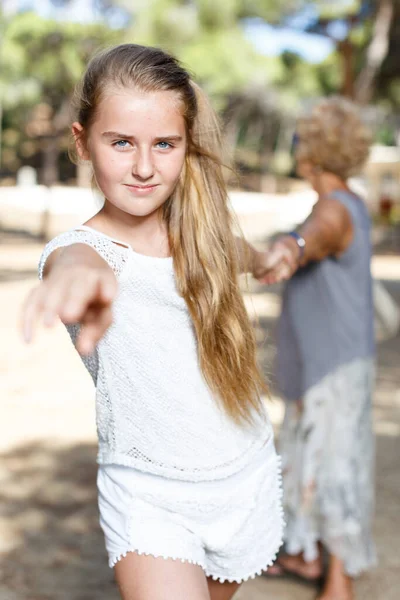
[188,480]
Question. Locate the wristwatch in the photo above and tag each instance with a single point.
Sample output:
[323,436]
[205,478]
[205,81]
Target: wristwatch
[301,242]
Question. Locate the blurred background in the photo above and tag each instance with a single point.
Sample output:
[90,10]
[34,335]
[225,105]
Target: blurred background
[262,62]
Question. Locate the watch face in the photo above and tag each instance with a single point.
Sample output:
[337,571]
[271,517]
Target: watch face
[300,241]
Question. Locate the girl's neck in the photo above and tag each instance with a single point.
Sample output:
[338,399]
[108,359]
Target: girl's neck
[327,183]
[146,235]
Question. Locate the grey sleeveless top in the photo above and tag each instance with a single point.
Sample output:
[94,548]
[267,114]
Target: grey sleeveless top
[327,312]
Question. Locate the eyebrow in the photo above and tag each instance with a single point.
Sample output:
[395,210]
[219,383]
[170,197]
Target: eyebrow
[125,136]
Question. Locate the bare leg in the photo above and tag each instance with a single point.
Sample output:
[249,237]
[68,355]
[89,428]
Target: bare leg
[339,586]
[142,577]
[222,591]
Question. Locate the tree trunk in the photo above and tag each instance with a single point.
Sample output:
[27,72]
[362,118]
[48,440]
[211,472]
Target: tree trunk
[346,51]
[1,131]
[376,53]
[51,146]
[50,154]
[50,176]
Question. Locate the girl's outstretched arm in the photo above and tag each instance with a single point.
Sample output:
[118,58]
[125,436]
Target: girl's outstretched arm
[251,260]
[78,286]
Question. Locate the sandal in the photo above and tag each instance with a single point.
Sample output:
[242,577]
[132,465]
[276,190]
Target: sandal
[316,582]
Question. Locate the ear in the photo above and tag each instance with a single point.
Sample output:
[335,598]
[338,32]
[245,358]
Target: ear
[80,141]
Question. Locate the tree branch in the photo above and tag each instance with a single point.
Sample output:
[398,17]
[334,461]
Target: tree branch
[376,53]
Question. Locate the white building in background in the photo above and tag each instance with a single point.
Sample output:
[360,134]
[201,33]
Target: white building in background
[382,175]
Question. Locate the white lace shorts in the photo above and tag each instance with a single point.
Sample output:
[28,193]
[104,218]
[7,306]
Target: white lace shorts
[232,527]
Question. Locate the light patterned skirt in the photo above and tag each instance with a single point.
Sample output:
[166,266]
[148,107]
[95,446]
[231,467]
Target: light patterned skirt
[327,448]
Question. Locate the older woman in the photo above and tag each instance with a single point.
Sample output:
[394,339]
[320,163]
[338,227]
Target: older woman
[326,358]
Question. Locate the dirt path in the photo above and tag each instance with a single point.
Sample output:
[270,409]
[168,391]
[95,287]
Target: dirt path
[51,546]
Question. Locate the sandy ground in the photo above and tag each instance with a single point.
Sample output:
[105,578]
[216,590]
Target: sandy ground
[51,547]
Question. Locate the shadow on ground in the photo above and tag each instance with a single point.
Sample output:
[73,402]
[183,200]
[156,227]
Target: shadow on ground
[56,549]
[27,245]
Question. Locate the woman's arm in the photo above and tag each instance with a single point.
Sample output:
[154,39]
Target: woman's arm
[328,231]
[78,286]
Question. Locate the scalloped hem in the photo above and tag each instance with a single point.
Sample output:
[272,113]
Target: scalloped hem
[216,577]
[117,557]
[251,575]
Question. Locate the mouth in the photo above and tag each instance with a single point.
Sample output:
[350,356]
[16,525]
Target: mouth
[141,190]
[133,186]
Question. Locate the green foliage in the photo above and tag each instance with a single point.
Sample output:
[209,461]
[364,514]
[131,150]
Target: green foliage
[329,75]
[224,66]
[50,53]
[394,92]
[41,61]
[208,38]
[164,23]
[216,15]
[328,10]
[298,80]
[386,136]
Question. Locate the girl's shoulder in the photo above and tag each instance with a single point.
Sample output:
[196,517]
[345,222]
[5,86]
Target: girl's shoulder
[103,236]
[114,252]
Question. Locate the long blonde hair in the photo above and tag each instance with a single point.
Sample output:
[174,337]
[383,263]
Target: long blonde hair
[199,223]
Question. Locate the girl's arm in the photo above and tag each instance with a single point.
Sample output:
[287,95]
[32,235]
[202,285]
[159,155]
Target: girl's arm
[253,261]
[249,258]
[78,286]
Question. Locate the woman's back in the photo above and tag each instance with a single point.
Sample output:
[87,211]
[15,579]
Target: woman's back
[327,316]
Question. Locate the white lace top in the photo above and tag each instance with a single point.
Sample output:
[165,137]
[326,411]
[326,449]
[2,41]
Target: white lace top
[154,409]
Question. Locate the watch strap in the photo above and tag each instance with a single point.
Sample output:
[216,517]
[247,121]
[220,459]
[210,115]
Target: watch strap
[301,243]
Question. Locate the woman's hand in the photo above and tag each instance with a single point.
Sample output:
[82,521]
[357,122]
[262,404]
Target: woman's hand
[278,263]
[79,288]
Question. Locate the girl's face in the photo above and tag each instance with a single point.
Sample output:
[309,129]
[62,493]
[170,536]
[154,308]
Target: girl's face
[137,146]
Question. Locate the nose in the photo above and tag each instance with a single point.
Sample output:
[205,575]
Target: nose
[143,167]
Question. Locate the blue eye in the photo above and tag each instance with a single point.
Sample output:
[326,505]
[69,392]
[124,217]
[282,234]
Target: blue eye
[121,144]
[164,145]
